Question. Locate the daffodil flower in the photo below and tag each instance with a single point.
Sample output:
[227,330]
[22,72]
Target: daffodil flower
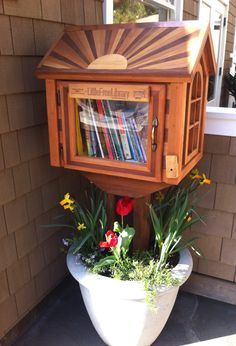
[204,180]
[67,202]
[188,217]
[160,196]
[81,227]
[195,174]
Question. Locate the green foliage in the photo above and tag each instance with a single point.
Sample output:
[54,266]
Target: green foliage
[95,220]
[140,267]
[87,224]
[121,249]
[230,84]
[126,11]
[127,236]
[171,216]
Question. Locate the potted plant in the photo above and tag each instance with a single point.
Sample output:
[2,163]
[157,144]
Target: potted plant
[129,294]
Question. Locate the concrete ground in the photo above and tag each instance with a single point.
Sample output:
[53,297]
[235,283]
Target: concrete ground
[195,320]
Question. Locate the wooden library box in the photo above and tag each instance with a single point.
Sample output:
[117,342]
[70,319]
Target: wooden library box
[126,103]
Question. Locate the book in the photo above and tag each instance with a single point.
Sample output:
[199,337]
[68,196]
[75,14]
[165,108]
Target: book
[95,130]
[123,137]
[132,149]
[85,128]
[79,141]
[112,127]
[139,141]
[134,141]
[105,129]
[100,126]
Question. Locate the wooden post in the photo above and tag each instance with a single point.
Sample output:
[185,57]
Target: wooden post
[141,223]
[110,210]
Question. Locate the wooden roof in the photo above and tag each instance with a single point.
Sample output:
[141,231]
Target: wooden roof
[155,49]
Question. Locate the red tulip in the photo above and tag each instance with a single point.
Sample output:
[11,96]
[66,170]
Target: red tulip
[111,240]
[124,206]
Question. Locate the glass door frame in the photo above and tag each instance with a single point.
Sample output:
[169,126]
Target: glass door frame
[150,171]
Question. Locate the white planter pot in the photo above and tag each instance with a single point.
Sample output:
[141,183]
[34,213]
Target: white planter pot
[118,309]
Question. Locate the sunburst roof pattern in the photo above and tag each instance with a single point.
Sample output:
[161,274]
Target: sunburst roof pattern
[147,47]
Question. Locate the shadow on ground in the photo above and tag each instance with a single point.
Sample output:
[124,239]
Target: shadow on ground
[63,321]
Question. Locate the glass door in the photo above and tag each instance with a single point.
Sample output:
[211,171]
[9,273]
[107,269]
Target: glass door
[215,12]
[113,128]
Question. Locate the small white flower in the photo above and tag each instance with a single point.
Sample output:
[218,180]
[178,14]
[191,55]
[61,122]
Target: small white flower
[65,242]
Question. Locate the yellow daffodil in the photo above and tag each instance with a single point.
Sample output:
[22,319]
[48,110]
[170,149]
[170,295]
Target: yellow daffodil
[67,202]
[188,217]
[160,196]
[195,174]
[81,227]
[68,206]
[204,180]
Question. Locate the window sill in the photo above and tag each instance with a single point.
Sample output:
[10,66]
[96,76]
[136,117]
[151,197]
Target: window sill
[220,121]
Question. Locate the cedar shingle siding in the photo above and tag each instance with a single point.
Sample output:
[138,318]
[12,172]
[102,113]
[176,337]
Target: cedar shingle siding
[31,263]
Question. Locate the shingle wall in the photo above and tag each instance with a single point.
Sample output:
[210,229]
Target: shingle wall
[190,9]
[30,260]
[217,203]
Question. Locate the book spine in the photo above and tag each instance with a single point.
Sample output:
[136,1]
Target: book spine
[109,127]
[79,141]
[134,156]
[105,129]
[123,137]
[134,141]
[86,132]
[139,142]
[100,126]
[95,127]
[91,132]
[114,132]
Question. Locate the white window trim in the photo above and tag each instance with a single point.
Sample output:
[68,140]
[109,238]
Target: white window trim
[219,79]
[233,54]
[107,8]
[179,9]
[176,10]
[220,121]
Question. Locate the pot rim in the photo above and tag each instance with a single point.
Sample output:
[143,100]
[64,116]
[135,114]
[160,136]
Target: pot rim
[126,288]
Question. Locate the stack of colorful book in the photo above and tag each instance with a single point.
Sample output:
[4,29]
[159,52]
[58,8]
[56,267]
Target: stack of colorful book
[105,132]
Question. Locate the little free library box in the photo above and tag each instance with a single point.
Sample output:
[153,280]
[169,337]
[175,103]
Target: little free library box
[126,103]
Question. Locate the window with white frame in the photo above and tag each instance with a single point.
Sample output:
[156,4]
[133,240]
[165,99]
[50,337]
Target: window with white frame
[233,55]
[165,9]
[216,13]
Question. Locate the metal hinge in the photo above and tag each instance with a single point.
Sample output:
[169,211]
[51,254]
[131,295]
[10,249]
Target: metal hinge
[224,23]
[58,96]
